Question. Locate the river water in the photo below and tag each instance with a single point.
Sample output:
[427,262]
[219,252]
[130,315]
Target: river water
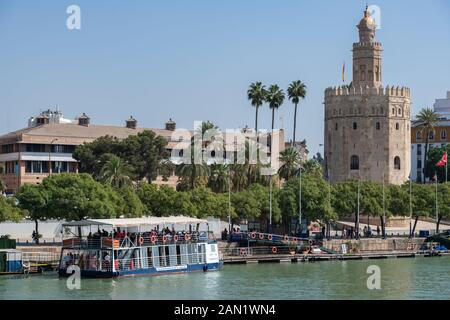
[401,278]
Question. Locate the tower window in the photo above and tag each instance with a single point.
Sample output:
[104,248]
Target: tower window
[397,163]
[419,135]
[393,110]
[335,126]
[377,126]
[399,112]
[443,135]
[397,126]
[354,163]
[355,126]
[377,73]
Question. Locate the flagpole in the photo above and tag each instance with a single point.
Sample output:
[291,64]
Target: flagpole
[410,204]
[436,202]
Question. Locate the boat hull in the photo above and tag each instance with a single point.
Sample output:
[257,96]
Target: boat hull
[146,272]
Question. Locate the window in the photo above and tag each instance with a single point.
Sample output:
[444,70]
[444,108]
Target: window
[397,163]
[419,135]
[335,126]
[354,163]
[362,68]
[355,126]
[393,110]
[35,147]
[377,126]
[419,149]
[443,135]
[399,112]
[397,126]
[431,135]
[377,73]
[419,163]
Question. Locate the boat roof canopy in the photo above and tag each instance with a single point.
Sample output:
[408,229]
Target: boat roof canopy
[135,221]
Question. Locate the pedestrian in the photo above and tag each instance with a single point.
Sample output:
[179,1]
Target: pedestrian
[378,230]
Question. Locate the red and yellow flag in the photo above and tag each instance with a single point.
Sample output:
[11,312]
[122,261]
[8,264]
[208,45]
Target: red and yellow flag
[443,161]
[343,72]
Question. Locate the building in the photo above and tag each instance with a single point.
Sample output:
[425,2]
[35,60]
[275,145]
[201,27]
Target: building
[439,137]
[46,145]
[367,126]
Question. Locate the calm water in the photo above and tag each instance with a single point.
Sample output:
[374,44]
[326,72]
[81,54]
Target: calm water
[419,278]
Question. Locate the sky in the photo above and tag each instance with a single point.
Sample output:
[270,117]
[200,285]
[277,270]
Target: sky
[194,60]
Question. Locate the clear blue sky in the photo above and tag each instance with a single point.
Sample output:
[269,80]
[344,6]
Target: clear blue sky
[193,60]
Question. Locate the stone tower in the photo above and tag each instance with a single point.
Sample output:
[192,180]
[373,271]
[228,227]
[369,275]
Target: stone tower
[367,127]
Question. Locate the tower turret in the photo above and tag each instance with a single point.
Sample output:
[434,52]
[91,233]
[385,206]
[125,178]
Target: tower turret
[367,55]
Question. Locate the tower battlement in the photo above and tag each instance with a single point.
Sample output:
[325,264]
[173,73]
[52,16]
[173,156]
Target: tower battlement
[371,45]
[395,91]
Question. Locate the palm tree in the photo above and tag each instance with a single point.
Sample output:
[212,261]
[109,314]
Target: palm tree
[256,93]
[115,173]
[296,91]
[291,160]
[275,98]
[219,179]
[427,120]
[195,168]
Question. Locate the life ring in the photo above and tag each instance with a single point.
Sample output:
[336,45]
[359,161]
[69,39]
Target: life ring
[310,241]
[253,235]
[286,238]
[187,237]
[270,237]
[274,249]
[164,238]
[261,236]
[175,238]
[295,240]
[141,241]
[153,239]
[242,252]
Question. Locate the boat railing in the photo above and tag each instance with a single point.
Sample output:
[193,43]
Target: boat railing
[96,264]
[134,241]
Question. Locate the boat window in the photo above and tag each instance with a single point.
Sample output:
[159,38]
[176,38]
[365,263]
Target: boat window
[212,248]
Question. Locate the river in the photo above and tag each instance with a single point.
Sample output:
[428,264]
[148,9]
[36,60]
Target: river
[401,278]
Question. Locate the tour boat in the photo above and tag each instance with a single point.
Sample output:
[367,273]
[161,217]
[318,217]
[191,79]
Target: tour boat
[137,246]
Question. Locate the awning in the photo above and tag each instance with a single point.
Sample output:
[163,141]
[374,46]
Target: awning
[128,222]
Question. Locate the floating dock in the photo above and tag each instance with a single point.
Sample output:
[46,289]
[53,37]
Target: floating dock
[282,258]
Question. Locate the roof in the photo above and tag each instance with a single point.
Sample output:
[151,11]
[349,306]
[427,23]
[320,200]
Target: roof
[136,221]
[71,130]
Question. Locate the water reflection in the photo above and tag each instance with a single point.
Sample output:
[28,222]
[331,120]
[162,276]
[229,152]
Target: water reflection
[419,278]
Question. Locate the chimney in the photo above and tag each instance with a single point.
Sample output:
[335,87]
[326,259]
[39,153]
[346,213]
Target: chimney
[171,125]
[131,123]
[84,120]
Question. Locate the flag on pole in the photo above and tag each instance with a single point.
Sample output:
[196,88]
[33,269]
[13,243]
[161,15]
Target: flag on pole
[343,72]
[443,161]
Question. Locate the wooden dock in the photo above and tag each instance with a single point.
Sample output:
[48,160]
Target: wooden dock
[282,258]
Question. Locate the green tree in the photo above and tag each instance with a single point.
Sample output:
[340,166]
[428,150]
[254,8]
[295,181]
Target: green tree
[9,211]
[2,186]
[115,173]
[193,167]
[423,201]
[246,205]
[275,98]
[219,180]
[256,94]
[291,161]
[79,196]
[427,120]
[296,91]
[443,203]
[132,204]
[312,167]
[34,199]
